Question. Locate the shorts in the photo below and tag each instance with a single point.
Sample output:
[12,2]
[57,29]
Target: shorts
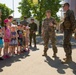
[13,43]
[6,40]
[1,41]
[1,45]
[20,42]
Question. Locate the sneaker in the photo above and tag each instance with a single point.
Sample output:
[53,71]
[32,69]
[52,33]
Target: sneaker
[7,56]
[4,56]
[22,51]
[1,58]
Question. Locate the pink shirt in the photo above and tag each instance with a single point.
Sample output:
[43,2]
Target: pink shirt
[7,35]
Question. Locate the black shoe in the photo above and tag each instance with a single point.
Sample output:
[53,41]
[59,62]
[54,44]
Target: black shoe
[35,46]
[29,44]
[1,58]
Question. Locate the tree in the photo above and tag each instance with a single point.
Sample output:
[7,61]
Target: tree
[5,12]
[25,8]
[38,9]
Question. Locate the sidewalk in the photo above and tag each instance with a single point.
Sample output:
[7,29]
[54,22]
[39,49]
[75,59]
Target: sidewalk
[35,64]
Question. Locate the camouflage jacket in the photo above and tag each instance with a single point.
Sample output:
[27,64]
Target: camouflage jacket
[69,20]
[46,24]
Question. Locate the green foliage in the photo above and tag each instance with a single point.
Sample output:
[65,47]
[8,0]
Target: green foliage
[5,12]
[27,8]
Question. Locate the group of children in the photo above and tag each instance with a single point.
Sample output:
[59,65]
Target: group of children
[14,39]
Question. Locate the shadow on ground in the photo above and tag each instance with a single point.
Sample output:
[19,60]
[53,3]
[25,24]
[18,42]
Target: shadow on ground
[13,59]
[56,63]
[34,48]
[53,63]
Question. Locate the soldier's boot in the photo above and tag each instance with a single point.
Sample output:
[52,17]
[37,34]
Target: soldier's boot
[55,52]
[64,58]
[54,55]
[45,53]
[67,60]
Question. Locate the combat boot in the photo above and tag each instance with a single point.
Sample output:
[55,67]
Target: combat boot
[67,60]
[54,55]
[45,53]
[64,58]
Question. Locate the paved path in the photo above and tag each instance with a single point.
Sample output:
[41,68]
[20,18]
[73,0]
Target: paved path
[35,64]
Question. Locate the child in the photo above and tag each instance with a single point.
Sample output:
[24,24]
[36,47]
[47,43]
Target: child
[24,37]
[27,37]
[1,42]
[13,40]
[6,38]
[20,38]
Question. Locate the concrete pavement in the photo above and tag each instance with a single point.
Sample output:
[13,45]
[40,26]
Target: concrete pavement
[35,64]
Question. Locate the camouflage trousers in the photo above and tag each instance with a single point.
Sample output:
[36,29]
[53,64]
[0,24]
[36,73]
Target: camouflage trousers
[52,37]
[67,43]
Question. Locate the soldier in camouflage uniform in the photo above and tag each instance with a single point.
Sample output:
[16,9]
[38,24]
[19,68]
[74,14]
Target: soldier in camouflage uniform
[48,33]
[68,28]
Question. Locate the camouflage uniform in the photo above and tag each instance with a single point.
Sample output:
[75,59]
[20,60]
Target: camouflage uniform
[49,34]
[68,27]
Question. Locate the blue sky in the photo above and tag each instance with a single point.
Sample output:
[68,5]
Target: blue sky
[9,3]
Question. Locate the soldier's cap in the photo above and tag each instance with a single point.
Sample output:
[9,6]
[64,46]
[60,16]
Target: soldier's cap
[66,4]
[48,11]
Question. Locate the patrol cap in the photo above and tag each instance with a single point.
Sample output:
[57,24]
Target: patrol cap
[66,4]
[48,11]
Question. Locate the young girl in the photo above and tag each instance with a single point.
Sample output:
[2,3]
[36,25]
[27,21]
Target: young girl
[27,37]
[20,38]
[13,40]
[24,37]
[1,42]
[6,38]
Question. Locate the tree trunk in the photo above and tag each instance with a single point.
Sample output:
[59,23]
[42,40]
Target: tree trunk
[40,25]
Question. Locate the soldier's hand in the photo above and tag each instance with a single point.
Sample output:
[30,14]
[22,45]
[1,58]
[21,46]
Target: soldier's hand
[51,24]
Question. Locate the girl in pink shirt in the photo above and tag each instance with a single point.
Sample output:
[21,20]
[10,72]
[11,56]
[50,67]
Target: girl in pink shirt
[6,38]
